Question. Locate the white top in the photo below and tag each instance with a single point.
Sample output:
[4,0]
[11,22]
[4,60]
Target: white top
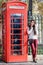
[31,33]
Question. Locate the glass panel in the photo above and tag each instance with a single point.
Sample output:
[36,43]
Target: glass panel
[16,31]
[16,41]
[16,26]
[16,34]
[16,20]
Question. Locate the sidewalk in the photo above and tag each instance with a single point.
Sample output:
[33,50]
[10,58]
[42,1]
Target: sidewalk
[39,61]
[39,57]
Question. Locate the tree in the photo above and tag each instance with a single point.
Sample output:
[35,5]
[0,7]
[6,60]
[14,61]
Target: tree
[35,7]
[40,7]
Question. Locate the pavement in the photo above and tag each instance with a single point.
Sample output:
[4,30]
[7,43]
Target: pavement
[29,62]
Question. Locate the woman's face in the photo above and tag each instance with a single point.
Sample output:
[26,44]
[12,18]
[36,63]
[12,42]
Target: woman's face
[32,23]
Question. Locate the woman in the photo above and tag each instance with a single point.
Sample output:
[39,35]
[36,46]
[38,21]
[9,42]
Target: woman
[32,32]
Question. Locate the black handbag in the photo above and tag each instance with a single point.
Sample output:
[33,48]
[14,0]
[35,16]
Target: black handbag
[30,41]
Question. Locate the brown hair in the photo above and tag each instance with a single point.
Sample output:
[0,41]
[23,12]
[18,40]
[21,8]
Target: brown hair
[33,26]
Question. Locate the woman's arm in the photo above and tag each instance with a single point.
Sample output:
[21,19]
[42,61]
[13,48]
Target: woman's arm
[36,30]
[29,31]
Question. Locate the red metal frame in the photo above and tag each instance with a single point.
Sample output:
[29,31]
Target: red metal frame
[8,10]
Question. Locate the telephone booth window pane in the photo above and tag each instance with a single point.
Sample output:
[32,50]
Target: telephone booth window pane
[16,26]
[16,41]
[16,33]
[16,36]
[16,20]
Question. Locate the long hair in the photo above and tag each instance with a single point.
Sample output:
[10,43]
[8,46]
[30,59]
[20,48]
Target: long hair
[29,25]
[34,29]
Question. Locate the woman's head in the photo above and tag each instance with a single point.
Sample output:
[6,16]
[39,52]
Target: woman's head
[33,22]
[33,25]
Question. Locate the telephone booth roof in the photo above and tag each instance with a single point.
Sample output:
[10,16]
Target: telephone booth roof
[10,2]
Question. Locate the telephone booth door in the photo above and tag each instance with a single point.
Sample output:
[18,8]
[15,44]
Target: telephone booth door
[17,35]
[16,32]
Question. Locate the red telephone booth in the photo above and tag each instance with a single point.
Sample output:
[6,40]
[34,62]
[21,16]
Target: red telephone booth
[14,35]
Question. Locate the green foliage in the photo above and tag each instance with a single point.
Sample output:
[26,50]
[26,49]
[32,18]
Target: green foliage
[40,7]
